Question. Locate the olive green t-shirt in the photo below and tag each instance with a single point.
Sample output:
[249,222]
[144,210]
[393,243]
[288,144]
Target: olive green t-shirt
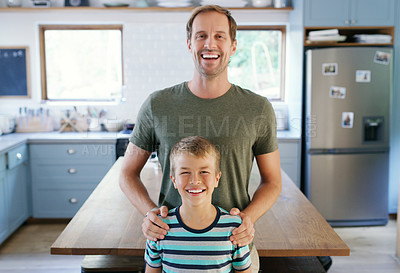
[240,123]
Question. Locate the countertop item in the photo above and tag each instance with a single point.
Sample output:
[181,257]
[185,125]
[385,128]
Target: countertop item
[10,141]
[107,224]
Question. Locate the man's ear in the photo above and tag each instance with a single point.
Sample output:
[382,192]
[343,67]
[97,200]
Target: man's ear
[234,46]
[173,181]
[189,45]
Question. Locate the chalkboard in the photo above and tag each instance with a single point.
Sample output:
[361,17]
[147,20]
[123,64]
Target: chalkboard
[14,74]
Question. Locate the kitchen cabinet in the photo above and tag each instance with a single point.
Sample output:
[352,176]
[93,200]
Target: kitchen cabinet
[17,186]
[14,190]
[289,152]
[349,12]
[3,207]
[64,175]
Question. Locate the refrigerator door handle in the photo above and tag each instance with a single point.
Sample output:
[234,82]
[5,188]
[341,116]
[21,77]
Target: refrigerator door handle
[347,151]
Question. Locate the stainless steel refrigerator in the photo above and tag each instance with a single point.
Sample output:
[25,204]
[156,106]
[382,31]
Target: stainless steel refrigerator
[347,112]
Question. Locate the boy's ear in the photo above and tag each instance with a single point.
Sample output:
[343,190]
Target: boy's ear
[217,178]
[173,181]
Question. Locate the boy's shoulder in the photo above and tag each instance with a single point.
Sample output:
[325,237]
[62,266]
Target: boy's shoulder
[225,216]
[171,217]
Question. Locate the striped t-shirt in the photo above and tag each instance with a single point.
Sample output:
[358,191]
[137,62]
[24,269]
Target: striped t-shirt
[208,250]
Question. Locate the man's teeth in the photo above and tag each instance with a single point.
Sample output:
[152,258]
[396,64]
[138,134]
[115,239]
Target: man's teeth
[210,56]
[195,191]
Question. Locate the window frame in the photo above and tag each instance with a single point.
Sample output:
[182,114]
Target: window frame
[281,28]
[42,30]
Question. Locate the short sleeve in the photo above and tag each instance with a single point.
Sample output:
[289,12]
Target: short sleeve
[152,255]
[241,258]
[266,141]
[143,134]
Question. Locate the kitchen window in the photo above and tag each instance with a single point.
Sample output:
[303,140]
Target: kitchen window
[258,63]
[81,62]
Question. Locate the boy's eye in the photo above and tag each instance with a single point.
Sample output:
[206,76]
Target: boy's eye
[205,172]
[185,173]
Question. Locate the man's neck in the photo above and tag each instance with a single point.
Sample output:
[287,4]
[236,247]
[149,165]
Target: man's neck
[209,88]
[199,217]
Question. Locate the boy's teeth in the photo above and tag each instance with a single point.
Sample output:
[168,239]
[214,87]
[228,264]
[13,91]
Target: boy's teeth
[195,191]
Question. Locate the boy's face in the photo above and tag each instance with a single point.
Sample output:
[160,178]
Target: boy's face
[195,178]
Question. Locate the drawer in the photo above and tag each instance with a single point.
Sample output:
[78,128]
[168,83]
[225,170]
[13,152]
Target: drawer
[59,203]
[2,162]
[70,172]
[17,156]
[73,151]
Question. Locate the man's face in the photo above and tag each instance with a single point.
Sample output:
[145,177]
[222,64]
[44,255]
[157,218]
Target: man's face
[211,44]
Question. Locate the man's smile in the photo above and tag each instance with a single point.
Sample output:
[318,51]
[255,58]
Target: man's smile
[210,56]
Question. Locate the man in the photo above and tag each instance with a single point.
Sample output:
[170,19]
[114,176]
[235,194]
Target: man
[240,123]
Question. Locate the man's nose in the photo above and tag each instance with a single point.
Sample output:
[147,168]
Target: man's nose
[210,43]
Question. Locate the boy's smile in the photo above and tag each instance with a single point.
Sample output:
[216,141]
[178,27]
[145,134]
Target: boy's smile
[195,178]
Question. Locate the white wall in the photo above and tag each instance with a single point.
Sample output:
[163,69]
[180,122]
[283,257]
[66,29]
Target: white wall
[155,52]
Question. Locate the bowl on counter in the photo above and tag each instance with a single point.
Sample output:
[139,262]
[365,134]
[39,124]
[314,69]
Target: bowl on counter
[113,125]
[261,3]
[117,4]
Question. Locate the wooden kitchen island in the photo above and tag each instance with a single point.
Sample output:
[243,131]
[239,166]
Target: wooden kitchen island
[107,224]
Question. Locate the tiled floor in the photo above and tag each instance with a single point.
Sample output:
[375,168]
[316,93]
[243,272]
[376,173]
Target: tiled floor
[27,251]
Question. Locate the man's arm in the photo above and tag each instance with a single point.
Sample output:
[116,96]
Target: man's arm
[153,270]
[131,184]
[248,270]
[264,197]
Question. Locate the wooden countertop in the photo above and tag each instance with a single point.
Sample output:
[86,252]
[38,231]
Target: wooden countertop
[107,224]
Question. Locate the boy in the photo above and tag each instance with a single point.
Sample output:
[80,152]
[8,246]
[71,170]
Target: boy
[198,238]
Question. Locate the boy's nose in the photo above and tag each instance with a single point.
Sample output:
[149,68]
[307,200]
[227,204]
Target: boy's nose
[195,179]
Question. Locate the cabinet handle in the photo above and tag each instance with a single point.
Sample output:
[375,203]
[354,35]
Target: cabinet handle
[73,200]
[71,151]
[19,156]
[72,171]
[347,22]
[353,21]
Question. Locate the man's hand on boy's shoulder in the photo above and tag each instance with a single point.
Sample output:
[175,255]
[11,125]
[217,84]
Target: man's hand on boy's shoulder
[153,227]
[244,234]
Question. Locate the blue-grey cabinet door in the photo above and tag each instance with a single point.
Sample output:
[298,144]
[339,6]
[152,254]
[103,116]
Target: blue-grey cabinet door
[341,13]
[17,198]
[372,12]
[326,12]
[3,208]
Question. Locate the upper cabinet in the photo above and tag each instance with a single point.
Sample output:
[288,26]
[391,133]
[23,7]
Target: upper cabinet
[349,12]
